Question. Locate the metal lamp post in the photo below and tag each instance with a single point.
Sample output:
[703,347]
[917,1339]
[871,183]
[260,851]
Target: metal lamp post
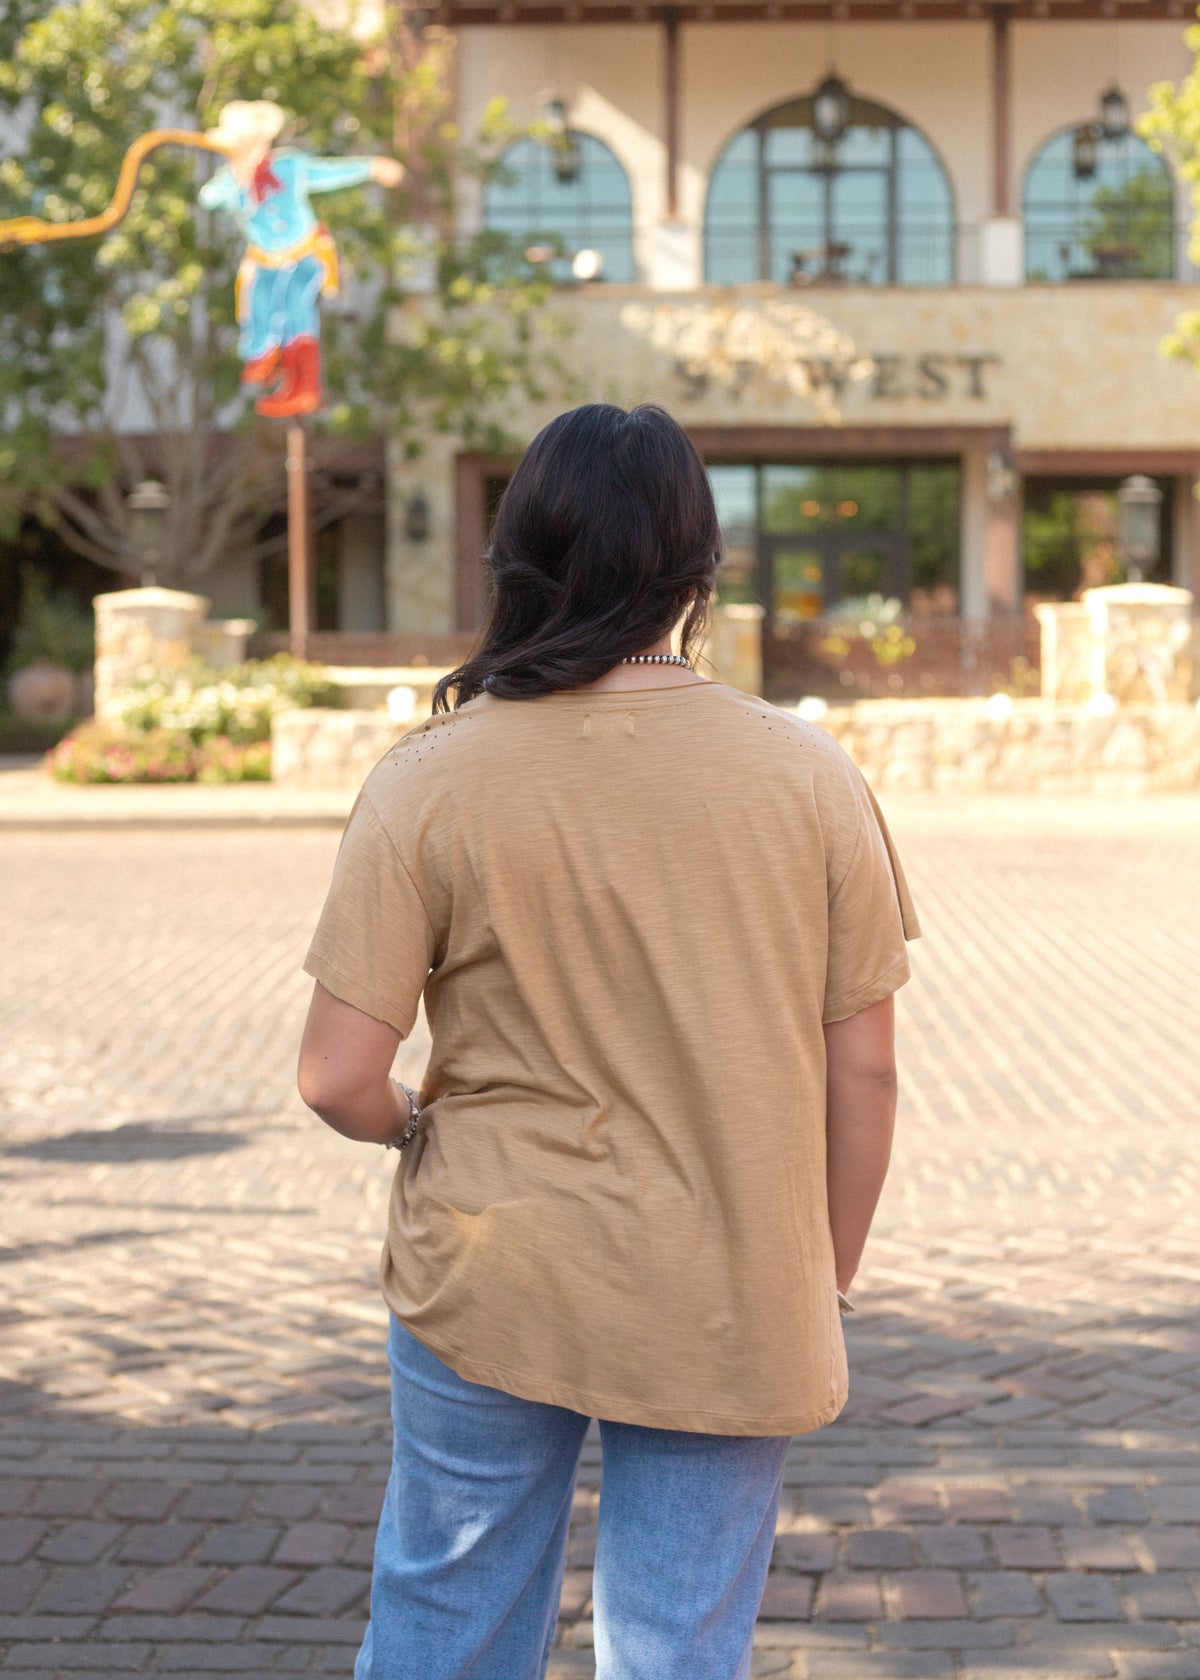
[149,504]
[1138,502]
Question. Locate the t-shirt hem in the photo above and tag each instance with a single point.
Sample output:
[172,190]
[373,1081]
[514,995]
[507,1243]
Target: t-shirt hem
[620,1410]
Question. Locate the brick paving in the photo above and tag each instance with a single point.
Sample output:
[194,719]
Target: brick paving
[193,1427]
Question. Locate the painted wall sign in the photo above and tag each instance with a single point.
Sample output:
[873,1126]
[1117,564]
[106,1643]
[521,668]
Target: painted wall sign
[882,376]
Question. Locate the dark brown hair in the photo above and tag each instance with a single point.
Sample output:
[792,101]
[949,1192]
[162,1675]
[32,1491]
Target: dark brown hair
[604,538]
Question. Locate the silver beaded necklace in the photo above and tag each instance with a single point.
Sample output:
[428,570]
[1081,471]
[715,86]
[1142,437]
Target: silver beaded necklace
[657,659]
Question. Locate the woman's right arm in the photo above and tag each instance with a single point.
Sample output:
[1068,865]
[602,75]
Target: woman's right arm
[860,1112]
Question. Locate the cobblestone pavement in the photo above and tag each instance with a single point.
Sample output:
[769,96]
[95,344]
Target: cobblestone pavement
[192,1405]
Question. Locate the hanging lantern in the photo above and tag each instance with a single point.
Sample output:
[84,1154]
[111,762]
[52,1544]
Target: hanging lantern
[1083,151]
[1139,501]
[831,110]
[565,143]
[1114,113]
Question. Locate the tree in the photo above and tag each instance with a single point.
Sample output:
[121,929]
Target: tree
[1172,126]
[119,359]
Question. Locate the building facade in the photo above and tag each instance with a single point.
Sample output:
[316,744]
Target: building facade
[904,271]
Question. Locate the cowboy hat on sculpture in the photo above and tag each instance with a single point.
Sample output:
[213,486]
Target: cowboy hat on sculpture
[290,257]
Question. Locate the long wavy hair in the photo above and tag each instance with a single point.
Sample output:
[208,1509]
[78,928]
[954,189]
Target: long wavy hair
[605,538]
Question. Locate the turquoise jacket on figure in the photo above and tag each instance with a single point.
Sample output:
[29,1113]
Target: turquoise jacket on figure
[274,209]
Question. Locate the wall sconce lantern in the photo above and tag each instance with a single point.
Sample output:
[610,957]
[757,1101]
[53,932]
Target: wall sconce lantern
[1114,113]
[1138,502]
[1084,149]
[565,144]
[416,517]
[148,505]
[1001,475]
[831,110]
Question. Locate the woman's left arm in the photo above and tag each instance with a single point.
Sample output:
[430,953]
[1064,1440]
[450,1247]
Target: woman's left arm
[345,1071]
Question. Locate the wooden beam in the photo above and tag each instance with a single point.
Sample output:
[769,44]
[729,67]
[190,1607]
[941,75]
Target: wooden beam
[670,20]
[1001,104]
[299,566]
[463,13]
[807,443]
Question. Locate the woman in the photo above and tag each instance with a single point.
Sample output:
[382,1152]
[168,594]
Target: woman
[658,925]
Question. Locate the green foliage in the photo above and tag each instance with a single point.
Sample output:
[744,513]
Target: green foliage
[100,753]
[81,79]
[1172,127]
[51,627]
[1130,230]
[235,703]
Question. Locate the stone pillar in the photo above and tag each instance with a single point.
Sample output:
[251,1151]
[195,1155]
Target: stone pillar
[1141,642]
[669,257]
[990,582]
[137,629]
[1185,534]
[1066,651]
[420,569]
[1002,551]
[973,529]
[1001,251]
[733,646]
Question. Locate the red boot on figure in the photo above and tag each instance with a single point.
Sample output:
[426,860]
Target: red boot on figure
[300,392]
[259,371]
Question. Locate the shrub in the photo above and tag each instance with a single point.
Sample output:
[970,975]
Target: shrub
[237,703]
[53,627]
[97,752]
[222,760]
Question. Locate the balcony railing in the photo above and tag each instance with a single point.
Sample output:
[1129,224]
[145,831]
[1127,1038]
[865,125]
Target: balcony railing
[1125,248]
[932,656]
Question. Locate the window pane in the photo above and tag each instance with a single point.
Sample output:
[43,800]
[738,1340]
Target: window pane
[734,493]
[877,210]
[594,211]
[1114,224]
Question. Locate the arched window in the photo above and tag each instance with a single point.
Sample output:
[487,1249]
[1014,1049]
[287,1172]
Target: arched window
[1098,209]
[587,206]
[873,208]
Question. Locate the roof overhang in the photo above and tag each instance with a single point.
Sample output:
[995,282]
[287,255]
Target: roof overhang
[464,13]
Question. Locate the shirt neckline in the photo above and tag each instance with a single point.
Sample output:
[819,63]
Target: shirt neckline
[615,697]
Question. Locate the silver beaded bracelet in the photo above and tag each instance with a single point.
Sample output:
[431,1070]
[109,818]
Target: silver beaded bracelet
[409,1132]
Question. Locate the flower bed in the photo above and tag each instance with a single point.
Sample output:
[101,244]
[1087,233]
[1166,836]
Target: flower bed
[97,753]
[194,725]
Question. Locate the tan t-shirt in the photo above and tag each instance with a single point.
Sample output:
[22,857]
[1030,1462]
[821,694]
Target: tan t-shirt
[630,913]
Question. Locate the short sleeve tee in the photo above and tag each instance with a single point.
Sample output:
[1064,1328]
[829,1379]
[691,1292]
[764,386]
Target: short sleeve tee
[630,913]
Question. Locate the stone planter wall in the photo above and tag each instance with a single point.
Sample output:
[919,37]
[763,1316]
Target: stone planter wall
[320,748]
[1026,746]
[902,746]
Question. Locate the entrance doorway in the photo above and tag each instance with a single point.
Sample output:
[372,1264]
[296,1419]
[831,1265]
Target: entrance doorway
[812,542]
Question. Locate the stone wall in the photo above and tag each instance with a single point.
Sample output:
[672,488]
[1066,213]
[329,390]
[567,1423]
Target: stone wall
[320,748]
[903,746]
[1019,746]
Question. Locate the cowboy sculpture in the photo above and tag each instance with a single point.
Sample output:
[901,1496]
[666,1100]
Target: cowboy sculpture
[290,256]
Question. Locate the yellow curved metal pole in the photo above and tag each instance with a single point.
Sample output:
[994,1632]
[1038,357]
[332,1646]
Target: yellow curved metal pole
[32,230]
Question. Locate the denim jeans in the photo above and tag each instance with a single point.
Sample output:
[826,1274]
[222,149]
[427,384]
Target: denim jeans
[471,1546]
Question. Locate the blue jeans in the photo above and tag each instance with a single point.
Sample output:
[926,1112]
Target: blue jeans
[472,1539]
